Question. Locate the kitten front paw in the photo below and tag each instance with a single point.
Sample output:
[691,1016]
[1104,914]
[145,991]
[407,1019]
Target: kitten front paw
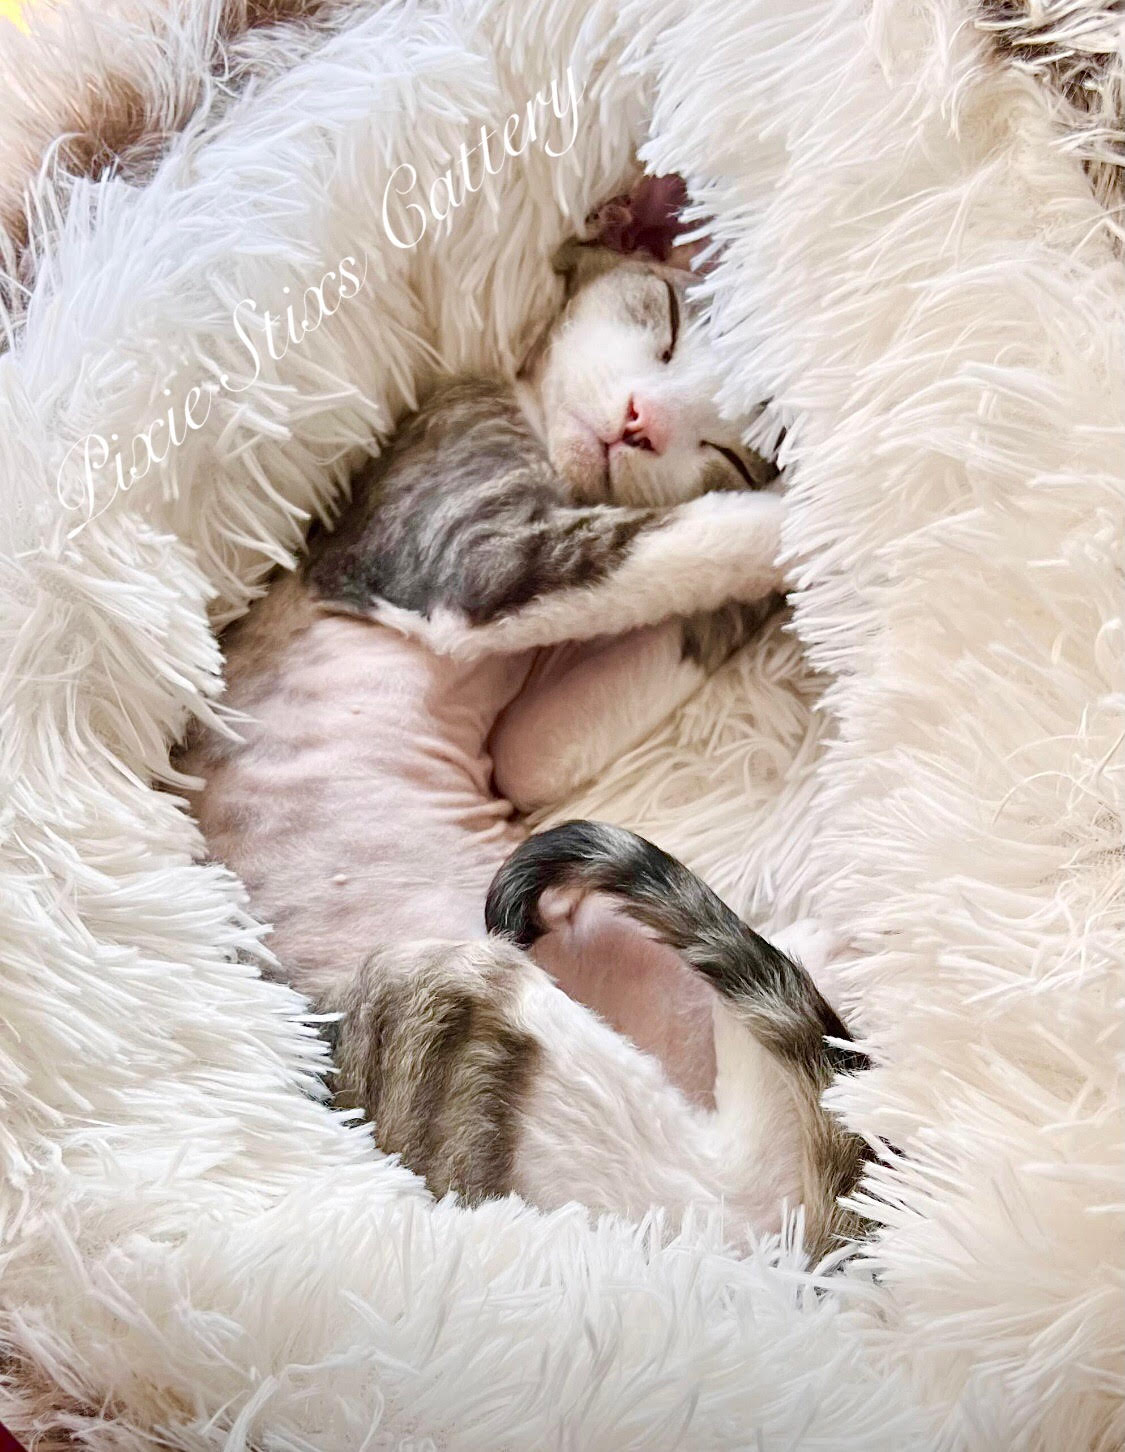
[751,525]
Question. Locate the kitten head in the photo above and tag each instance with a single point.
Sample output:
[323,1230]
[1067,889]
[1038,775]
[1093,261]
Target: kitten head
[626,385]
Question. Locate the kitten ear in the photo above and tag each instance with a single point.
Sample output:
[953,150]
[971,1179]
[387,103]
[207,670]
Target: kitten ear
[641,225]
[646,219]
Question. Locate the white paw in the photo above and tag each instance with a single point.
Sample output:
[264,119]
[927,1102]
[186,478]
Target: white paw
[759,505]
[744,529]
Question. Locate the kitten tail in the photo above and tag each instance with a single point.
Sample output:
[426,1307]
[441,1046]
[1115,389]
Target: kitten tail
[772,996]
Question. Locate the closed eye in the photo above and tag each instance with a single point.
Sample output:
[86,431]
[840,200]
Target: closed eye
[734,461]
[673,322]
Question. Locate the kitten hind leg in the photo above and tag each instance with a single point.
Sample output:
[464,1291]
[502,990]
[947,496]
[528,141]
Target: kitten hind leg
[778,1042]
[646,991]
[431,1049]
[487,1079]
[585,705]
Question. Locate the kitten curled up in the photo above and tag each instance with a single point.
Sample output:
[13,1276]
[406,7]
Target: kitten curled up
[525,582]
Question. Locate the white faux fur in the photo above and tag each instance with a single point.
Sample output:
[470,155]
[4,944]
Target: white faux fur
[196,1253]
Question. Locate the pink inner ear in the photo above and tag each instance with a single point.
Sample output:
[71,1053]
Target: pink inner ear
[646,219]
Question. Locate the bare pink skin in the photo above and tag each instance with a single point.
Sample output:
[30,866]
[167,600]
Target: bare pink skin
[641,988]
[360,810]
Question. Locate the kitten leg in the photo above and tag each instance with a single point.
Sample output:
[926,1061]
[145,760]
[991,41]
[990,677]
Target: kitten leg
[778,1043]
[431,1048]
[585,705]
[487,1080]
[611,571]
[462,535]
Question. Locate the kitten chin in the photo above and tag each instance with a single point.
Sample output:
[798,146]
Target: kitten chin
[577,457]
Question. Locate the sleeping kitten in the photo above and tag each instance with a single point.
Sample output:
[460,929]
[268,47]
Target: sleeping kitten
[365,814]
[604,492]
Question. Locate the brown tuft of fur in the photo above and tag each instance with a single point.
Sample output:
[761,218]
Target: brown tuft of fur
[1074,49]
[115,122]
[240,16]
[108,121]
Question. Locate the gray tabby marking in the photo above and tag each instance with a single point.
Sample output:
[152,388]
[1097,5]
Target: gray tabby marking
[430,1050]
[465,510]
[711,638]
[1072,48]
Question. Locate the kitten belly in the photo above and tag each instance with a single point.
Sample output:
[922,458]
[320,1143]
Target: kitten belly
[358,809]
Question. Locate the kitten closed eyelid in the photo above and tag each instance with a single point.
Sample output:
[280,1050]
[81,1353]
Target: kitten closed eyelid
[673,321]
[733,460]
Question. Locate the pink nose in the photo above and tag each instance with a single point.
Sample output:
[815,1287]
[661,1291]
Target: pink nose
[645,426]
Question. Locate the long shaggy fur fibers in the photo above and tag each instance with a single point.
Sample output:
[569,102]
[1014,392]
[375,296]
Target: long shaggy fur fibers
[913,266]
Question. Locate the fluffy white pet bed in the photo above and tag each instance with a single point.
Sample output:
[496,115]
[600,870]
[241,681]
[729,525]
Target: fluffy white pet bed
[196,1253]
